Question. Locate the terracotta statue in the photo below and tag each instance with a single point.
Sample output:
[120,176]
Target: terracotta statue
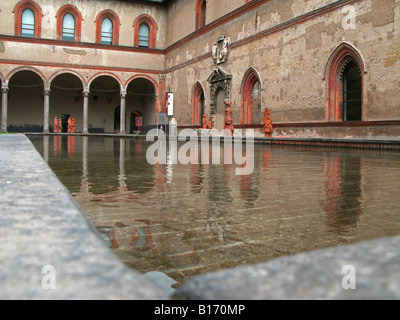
[268,126]
[69,125]
[55,130]
[59,125]
[228,118]
[204,121]
[210,123]
[73,125]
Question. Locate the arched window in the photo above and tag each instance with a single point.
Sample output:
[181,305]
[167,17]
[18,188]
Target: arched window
[69,23]
[107,31]
[251,98]
[144,35]
[201,13]
[344,85]
[68,33]
[107,28]
[198,104]
[27,19]
[28,23]
[256,102]
[145,30]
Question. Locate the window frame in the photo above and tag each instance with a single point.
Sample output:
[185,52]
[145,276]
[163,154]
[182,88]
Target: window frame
[37,12]
[152,30]
[115,22]
[62,12]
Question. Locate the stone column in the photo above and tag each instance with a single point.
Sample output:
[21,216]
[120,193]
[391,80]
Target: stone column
[86,94]
[46,93]
[123,113]
[4,90]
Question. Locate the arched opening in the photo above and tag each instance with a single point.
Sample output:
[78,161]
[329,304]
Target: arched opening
[66,100]
[352,93]
[344,85]
[141,98]
[201,13]
[251,98]
[25,102]
[28,23]
[145,31]
[103,100]
[198,104]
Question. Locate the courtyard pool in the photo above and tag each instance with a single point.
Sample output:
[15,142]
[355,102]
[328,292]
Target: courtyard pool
[186,220]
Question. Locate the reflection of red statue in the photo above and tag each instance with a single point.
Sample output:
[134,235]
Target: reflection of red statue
[228,118]
[268,127]
[55,130]
[73,125]
[210,123]
[204,121]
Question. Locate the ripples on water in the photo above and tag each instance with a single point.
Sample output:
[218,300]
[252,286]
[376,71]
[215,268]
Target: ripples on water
[189,219]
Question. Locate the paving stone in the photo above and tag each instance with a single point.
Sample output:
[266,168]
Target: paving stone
[314,275]
[41,225]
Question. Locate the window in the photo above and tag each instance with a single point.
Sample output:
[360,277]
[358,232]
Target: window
[69,23]
[27,19]
[107,28]
[28,23]
[145,30]
[68,33]
[256,102]
[201,13]
[107,31]
[144,35]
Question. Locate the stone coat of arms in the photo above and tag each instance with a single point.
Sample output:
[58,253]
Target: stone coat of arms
[220,50]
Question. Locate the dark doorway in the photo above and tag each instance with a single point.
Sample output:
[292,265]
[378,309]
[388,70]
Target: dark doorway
[64,122]
[117,119]
[352,93]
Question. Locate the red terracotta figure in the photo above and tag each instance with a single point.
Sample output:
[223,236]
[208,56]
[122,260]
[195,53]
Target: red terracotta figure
[228,118]
[268,126]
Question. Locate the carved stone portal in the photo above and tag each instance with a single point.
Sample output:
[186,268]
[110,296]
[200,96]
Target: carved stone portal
[219,80]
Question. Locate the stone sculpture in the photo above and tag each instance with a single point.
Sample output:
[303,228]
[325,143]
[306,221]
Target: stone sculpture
[228,118]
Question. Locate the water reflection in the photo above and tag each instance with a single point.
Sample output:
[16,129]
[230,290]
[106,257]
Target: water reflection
[188,219]
[343,191]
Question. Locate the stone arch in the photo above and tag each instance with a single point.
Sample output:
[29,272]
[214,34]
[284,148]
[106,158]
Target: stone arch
[338,61]
[26,68]
[98,75]
[60,72]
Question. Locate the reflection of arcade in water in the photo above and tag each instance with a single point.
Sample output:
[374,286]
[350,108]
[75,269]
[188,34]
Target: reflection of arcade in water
[185,220]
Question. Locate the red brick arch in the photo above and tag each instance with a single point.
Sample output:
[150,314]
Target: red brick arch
[37,11]
[249,79]
[339,59]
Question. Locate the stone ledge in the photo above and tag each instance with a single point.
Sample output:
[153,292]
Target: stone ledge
[41,225]
[316,275]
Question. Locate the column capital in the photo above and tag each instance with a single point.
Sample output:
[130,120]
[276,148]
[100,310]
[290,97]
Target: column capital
[5,88]
[46,91]
[123,93]
[86,93]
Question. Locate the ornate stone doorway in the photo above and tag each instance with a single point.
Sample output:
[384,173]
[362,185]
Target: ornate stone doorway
[220,83]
